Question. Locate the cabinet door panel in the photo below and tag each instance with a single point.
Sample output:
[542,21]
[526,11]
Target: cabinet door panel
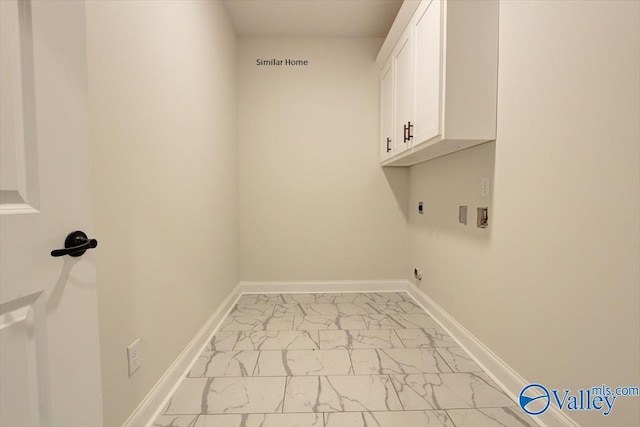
[404,91]
[427,39]
[387,138]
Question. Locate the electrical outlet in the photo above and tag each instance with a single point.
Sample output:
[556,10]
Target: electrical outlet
[483,218]
[485,187]
[134,356]
[417,273]
[462,215]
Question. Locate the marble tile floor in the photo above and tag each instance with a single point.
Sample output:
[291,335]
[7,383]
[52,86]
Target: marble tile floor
[325,360]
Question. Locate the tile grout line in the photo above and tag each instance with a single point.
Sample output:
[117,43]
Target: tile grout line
[353,370]
[435,350]
[253,373]
[396,392]
[395,331]
[284,393]
[446,412]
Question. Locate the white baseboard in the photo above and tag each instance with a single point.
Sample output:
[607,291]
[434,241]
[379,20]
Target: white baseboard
[508,379]
[499,371]
[324,286]
[159,396]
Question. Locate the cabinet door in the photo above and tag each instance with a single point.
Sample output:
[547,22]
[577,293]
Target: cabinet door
[404,85]
[387,138]
[427,40]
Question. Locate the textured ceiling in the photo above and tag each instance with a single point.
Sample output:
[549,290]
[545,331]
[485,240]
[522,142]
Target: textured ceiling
[312,18]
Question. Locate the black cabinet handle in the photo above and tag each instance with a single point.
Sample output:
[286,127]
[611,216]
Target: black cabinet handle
[75,245]
[407,132]
[404,134]
[388,146]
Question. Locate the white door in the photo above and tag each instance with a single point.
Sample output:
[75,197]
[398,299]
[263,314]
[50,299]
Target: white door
[49,346]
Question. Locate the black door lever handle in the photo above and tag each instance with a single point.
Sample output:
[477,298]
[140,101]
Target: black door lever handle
[75,245]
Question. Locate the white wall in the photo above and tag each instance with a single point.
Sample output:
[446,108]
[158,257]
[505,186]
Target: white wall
[552,287]
[314,203]
[162,87]
[451,254]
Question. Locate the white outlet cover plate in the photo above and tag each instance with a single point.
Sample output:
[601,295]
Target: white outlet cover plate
[134,356]
[485,187]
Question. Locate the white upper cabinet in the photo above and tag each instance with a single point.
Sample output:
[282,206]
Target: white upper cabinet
[444,71]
